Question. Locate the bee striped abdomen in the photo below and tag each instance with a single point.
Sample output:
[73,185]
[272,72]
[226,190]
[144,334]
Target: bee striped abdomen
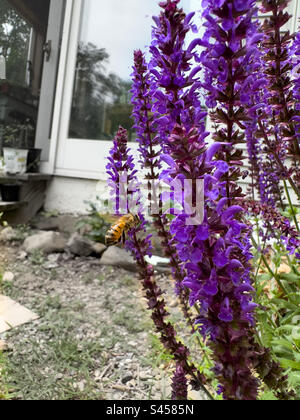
[114,235]
[118,230]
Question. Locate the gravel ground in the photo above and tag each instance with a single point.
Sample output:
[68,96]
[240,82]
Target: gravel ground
[94,338]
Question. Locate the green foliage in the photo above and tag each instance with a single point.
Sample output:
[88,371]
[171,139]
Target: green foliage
[279,311]
[206,363]
[37,257]
[5,391]
[267,396]
[98,223]
[159,355]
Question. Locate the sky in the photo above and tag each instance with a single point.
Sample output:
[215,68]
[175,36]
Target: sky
[121,26]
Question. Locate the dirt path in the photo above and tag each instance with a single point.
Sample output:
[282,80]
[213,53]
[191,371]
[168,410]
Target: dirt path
[93,338]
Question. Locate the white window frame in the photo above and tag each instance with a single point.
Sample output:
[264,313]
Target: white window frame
[65,153]
[49,166]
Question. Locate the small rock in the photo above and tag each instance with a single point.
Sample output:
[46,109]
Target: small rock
[8,277]
[7,234]
[47,224]
[68,223]
[22,255]
[144,376]
[99,248]
[128,377]
[50,265]
[174,303]
[52,262]
[132,383]
[53,257]
[80,386]
[47,242]
[80,246]
[118,257]
[3,346]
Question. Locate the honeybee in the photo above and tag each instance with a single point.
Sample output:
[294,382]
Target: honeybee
[118,230]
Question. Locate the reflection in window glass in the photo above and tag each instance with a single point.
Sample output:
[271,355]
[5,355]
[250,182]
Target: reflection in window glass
[18,101]
[111,31]
[14,43]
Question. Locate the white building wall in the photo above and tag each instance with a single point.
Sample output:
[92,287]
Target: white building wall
[69,195]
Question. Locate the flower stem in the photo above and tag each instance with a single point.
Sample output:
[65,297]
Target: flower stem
[291,205]
[275,276]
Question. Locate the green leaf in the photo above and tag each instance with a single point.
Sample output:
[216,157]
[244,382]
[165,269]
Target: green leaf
[294,379]
[286,363]
[283,304]
[285,343]
[264,277]
[291,277]
[268,396]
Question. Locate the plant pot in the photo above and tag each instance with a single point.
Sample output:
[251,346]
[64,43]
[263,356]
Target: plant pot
[10,192]
[33,160]
[15,160]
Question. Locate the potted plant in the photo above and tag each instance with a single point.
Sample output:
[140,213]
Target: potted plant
[18,154]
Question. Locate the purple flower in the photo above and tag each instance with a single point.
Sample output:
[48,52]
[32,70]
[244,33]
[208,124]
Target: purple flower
[226,313]
[202,232]
[122,174]
[220,259]
[224,271]
[177,96]
[179,384]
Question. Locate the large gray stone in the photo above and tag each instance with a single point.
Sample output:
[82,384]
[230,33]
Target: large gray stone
[80,246]
[65,223]
[47,242]
[118,257]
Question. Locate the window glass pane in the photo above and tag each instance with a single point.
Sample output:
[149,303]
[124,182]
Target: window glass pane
[111,31]
[22,34]
[14,42]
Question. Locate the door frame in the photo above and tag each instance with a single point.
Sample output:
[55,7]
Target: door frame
[49,165]
[49,76]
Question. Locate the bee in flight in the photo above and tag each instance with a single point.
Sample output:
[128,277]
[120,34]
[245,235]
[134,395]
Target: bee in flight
[118,230]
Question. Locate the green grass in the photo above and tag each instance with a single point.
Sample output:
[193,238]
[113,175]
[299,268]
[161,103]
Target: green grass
[158,355]
[125,318]
[4,389]
[57,360]
[5,392]
[37,257]
[56,357]
[52,369]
